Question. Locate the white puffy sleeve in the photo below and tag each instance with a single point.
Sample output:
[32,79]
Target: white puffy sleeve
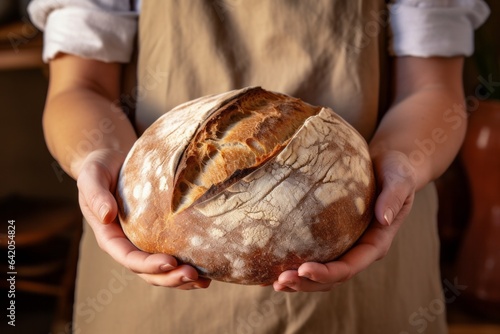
[97,29]
[426,28]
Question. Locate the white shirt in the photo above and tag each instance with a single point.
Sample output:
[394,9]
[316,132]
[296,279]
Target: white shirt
[105,29]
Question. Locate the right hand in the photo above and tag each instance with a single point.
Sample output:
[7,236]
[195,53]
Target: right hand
[96,181]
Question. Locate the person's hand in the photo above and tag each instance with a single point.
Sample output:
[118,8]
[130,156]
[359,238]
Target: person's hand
[97,178]
[396,181]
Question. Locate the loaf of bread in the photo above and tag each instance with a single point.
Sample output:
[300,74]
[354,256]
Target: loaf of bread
[247,184]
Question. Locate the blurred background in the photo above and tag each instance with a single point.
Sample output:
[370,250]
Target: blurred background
[40,200]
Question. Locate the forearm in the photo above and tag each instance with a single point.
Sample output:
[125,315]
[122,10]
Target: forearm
[427,121]
[80,117]
[421,128]
[72,132]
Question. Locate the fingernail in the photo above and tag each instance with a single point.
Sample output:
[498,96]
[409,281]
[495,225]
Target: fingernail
[103,211]
[166,267]
[187,279]
[388,216]
[305,275]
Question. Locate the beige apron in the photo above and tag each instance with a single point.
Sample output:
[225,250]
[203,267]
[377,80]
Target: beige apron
[326,52]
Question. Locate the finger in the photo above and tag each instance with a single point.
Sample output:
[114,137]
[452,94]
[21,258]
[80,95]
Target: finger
[394,203]
[397,182]
[392,198]
[94,184]
[305,285]
[371,247]
[332,272]
[341,270]
[111,239]
[282,287]
[287,281]
[183,277]
[290,281]
[199,284]
[279,288]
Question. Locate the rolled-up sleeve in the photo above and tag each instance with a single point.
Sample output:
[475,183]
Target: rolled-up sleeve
[427,28]
[97,29]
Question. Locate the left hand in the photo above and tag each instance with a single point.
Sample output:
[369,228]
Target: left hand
[426,90]
[397,183]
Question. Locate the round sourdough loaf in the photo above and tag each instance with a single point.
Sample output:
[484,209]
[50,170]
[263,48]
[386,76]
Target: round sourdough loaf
[247,184]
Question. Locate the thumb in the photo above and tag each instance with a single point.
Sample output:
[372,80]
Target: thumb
[397,192]
[391,202]
[95,184]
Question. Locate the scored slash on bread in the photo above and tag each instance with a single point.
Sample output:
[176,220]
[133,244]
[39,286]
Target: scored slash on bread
[239,137]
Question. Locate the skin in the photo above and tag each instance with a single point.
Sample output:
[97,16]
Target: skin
[79,102]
